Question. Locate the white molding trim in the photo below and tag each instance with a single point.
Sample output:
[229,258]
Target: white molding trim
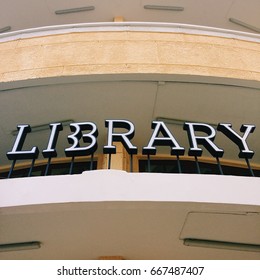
[130,26]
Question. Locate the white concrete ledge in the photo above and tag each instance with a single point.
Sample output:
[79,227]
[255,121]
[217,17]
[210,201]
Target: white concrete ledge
[112,185]
[130,26]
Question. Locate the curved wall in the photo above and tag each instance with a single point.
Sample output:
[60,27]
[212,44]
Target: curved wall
[142,209]
[116,185]
[111,52]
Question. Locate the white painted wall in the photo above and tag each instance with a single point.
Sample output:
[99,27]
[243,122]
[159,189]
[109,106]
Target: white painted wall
[113,185]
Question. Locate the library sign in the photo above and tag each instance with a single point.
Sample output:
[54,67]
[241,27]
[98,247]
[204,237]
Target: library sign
[160,136]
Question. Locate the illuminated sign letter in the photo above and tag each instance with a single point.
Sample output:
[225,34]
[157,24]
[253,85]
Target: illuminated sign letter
[17,152]
[50,151]
[124,138]
[226,128]
[90,137]
[166,140]
[206,141]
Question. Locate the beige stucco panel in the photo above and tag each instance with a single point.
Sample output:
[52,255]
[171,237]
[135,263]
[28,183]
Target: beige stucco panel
[89,53]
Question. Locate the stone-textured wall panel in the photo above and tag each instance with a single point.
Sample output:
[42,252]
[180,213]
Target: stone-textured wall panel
[86,53]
